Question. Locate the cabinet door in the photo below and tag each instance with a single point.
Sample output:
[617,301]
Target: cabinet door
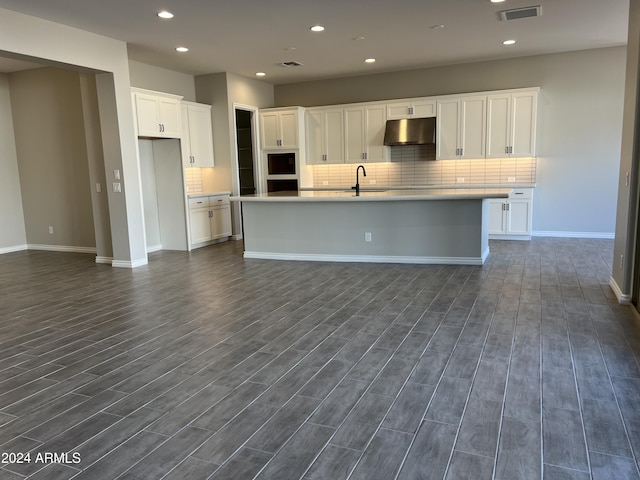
[519,217]
[497,217]
[200,136]
[314,125]
[447,125]
[523,124]
[424,109]
[376,120]
[269,130]
[472,127]
[354,135]
[288,129]
[220,222]
[147,113]
[334,135]
[200,224]
[498,122]
[397,111]
[169,111]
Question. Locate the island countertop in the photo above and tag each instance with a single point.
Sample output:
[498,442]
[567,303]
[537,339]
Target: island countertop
[376,195]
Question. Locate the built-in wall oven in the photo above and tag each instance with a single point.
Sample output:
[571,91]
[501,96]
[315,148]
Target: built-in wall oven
[282,175]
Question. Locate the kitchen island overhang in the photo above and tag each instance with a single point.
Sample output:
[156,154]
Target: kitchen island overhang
[435,226]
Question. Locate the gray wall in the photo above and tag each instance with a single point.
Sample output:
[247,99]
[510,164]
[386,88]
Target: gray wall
[52,152]
[579,123]
[629,163]
[12,233]
[162,80]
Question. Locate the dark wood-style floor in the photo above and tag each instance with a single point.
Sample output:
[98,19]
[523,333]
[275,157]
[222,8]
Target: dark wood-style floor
[206,365]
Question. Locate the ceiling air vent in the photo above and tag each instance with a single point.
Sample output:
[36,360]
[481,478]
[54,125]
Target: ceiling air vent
[517,13]
[290,64]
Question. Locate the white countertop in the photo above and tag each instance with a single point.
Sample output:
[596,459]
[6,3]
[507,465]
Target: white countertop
[207,194]
[377,196]
[424,187]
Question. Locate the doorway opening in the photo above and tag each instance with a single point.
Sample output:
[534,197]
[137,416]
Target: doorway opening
[244,145]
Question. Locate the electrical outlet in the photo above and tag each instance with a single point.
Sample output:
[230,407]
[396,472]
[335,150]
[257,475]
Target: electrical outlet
[460,180]
[325,182]
[621,261]
[50,230]
[98,188]
[372,182]
[511,179]
[367,236]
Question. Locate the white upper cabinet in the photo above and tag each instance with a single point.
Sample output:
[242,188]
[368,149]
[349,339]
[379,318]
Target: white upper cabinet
[411,109]
[280,128]
[157,114]
[197,142]
[461,128]
[511,124]
[325,136]
[364,134]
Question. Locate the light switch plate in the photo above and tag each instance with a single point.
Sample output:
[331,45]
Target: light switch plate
[116,174]
[117,188]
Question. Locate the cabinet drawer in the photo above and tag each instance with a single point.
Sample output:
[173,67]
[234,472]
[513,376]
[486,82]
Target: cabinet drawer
[218,201]
[521,193]
[199,202]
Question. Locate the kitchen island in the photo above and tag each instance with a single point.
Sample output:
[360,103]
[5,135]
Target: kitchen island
[432,226]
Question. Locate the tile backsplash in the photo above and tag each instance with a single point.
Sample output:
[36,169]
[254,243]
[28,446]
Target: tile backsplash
[193,179]
[414,165]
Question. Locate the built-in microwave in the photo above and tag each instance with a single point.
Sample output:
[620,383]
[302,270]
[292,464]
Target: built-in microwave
[281,163]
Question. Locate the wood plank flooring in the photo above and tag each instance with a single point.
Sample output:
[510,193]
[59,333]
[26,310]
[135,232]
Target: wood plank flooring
[205,365]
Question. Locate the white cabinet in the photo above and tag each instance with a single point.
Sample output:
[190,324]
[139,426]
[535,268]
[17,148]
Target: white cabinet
[197,140]
[510,219]
[511,124]
[209,219]
[280,128]
[157,114]
[364,134]
[461,128]
[325,136]
[411,109]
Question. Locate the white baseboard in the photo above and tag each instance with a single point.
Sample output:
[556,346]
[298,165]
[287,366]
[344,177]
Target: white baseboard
[154,248]
[129,263]
[623,298]
[573,234]
[321,257]
[104,260]
[237,236]
[61,248]
[13,248]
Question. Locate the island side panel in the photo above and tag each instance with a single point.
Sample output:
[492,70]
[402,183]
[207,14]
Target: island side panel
[420,231]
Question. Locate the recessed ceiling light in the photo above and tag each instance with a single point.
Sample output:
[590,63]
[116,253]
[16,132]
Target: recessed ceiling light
[437,27]
[508,42]
[165,14]
[357,39]
[370,60]
[317,28]
[182,49]
[260,74]
[497,1]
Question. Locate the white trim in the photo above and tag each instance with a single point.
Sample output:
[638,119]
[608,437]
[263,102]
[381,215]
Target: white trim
[321,257]
[237,236]
[61,248]
[623,298]
[510,237]
[129,264]
[14,248]
[104,260]
[154,248]
[574,234]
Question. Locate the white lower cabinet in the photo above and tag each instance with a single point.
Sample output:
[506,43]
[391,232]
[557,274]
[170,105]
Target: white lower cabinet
[209,219]
[510,219]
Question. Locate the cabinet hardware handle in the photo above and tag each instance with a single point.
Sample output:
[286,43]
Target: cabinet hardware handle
[518,193]
[366,155]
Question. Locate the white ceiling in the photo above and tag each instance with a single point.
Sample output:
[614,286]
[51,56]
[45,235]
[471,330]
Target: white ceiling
[246,36]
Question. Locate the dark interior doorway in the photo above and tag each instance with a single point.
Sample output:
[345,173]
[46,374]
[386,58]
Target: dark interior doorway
[244,140]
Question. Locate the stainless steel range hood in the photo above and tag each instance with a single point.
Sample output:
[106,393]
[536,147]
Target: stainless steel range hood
[410,131]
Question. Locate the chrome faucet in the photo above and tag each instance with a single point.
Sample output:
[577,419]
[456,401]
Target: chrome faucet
[357,187]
